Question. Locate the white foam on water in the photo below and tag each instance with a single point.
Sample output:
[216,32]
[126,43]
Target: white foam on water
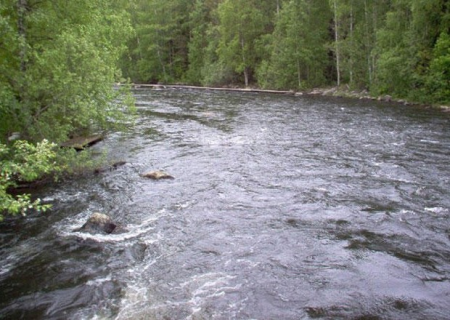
[185,205]
[133,230]
[96,282]
[437,210]
[430,141]
[65,196]
[9,264]
[16,256]
[137,304]
[207,286]
[133,302]
[405,211]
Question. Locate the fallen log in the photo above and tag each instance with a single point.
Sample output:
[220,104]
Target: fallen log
[177,86]
[80,143]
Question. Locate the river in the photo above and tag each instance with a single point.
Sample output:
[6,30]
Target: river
[282,207]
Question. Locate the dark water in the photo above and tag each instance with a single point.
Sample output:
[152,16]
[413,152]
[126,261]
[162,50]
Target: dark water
[282,208]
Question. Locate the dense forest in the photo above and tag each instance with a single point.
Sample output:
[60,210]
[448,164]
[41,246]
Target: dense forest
[60,59]
[396,47]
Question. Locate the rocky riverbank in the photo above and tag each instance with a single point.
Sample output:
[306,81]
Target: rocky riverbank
[345,92]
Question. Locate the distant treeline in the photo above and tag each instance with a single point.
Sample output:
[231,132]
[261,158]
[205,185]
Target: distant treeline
[396,47]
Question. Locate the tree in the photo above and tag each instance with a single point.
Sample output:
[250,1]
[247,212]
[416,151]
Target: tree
[60,61]
[438,81]
[366,20]
[395,51]
[159,50]
[337,52]
[405,47]
[298,54]
[200,22]
[241,24]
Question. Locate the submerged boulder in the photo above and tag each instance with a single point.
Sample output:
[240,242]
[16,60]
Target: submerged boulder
[101,223]
[157,175]
[112,167]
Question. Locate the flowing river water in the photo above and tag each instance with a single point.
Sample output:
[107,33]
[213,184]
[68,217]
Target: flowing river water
[282,207]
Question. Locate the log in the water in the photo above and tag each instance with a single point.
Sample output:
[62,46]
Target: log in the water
[79,143]
[175,86]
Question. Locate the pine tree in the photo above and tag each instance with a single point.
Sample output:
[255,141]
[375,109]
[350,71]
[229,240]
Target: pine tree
[241,24]
[298,56]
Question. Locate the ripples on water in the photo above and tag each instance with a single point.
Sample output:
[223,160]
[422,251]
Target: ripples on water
[282,208]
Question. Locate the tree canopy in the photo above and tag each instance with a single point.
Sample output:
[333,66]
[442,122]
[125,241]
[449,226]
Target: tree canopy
[394,47]
[58,64]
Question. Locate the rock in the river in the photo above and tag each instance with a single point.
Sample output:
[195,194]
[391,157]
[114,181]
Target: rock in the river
[386,98]
[157,175]
[114,166]
[101,223]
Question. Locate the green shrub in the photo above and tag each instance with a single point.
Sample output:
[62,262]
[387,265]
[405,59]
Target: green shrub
[24,161]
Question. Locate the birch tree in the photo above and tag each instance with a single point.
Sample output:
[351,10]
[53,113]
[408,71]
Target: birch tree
[337,52]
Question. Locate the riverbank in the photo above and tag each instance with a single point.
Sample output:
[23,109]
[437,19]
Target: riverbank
[365,95]
[339,92]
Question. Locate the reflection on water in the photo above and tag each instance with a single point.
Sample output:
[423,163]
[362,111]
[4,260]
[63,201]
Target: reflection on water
[282,208]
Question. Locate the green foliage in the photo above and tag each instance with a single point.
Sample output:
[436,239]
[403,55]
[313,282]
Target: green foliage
[24,162]
[159,50]
[298,55]
[438,81]
[214,71]
[241,24]
[27,162]
[200,22]
[405,50]
[385,46]
[58,74]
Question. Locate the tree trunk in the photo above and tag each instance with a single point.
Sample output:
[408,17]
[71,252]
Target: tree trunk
[336,39]
[246,76]
[367,40]
[22,30]
[351,43]
[161,62]
[244,61]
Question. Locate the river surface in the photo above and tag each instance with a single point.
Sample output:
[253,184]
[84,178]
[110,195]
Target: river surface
[282,207]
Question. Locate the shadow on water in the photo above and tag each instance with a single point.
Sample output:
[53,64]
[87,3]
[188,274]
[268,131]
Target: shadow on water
[282,207]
